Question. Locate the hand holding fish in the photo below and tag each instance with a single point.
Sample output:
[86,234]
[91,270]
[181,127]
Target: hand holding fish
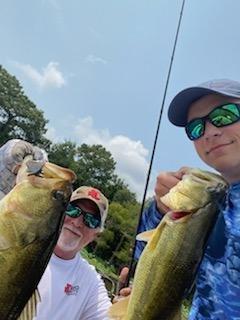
[168,264]
[166,181]
[122,291]
[12,154]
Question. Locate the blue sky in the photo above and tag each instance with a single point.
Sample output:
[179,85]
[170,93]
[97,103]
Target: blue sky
[98,70]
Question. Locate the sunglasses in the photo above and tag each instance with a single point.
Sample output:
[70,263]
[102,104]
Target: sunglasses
[220,116]
[89,219]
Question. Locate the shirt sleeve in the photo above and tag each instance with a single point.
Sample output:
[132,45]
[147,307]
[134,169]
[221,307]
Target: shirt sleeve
[149,220]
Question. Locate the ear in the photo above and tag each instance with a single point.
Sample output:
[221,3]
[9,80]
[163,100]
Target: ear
[97,233]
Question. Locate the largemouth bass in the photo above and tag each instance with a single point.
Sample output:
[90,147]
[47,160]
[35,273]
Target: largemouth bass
[31,216]
[168,264]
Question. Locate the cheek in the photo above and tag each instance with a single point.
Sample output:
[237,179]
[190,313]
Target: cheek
[88,237]
[67,220]
[233,130]
[198,145]
[91,235]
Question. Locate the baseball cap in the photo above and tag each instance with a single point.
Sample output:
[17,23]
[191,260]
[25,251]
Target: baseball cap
[178,109]
[94,195]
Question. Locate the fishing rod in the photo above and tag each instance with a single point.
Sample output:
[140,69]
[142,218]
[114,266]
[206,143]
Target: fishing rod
[131,265]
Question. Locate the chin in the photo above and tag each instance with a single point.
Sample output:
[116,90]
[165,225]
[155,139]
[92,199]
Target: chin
[221,164]
[69,244]
[229,172]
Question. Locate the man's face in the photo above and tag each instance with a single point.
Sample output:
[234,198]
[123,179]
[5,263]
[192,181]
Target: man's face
[75,235]
[218,147]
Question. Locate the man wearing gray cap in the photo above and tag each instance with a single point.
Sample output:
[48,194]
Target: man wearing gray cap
[210,114]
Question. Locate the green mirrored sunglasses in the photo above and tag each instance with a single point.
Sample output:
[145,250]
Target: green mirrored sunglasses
[89,219]
[220,116]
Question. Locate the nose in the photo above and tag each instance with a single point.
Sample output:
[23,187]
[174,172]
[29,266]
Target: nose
[211,130]
[77,222]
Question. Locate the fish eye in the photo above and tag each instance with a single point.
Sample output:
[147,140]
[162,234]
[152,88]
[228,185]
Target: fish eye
[58,195]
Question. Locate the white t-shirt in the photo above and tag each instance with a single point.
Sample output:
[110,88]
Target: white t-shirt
[72,290]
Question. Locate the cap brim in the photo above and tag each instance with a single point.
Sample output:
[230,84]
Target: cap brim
[80,197]
[178,109]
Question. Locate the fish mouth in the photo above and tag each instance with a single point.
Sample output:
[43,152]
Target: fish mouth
[44,170]
[53,171]
[179,215]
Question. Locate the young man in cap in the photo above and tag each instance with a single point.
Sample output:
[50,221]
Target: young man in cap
[210,114]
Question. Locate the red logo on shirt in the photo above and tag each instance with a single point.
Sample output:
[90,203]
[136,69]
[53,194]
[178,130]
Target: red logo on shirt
[94,194]
[70,289]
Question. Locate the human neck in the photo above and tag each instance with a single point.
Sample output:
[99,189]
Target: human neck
[65,255]
[231,177]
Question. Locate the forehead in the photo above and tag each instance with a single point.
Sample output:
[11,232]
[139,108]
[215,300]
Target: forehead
[87,204]
[207,103]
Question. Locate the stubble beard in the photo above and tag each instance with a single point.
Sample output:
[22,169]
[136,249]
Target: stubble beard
[68,241]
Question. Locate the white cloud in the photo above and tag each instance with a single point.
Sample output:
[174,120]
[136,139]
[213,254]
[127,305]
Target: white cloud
[130,156]
[51,134]
[50,77]
[91,58]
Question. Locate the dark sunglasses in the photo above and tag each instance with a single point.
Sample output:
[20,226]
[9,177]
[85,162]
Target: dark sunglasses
[89,219]
[220,116]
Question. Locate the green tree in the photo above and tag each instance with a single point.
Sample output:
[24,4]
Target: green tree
[95,167]
[19,116]
[63,154]
[124,196]
[116,243]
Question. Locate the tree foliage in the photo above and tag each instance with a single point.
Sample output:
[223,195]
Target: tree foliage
[63,154]
[116,242]
[124,196]
[19,116]
[94,166]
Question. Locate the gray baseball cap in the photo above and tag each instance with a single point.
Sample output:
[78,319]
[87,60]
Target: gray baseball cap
[178,109]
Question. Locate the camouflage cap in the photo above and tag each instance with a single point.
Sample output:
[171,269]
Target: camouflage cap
[94,195]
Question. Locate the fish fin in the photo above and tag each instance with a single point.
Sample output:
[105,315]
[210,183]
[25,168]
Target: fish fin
[30,309]
[153,234]
[118,310]
[146,235]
